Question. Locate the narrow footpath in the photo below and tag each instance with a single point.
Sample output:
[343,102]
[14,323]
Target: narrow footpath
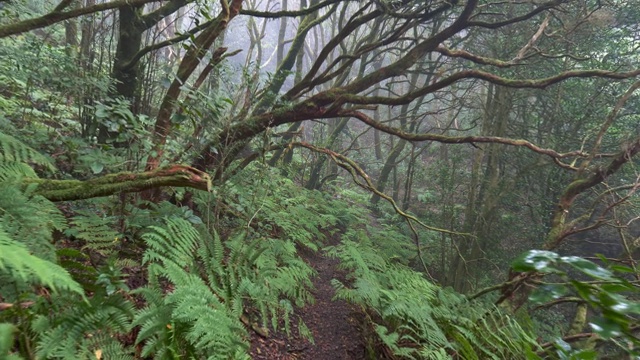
[334,324]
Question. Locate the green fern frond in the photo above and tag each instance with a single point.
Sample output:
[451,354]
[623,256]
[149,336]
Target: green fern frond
[17,260]
[207,324]
[212,283]
[13,150]
[305,332]
[70,333]
[6,341]
[96,231]
[175,243]
[154,321]
[415,312]
[11,171]
[30,220]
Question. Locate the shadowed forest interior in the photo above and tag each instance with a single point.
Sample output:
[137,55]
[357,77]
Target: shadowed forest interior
[319,179]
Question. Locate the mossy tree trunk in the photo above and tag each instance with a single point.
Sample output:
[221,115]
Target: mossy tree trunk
[125,72]
[68,190]
[487,176]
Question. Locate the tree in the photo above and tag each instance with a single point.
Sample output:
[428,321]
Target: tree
[531,99]
[307,99]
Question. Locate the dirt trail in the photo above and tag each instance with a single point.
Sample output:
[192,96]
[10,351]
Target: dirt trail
[334,324]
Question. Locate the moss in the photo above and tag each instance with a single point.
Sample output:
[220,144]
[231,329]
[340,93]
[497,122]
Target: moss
[174,175]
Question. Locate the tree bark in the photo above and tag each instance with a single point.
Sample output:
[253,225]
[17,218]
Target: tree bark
[125,72]
[69,190]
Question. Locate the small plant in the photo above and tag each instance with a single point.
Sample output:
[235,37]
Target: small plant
[204,292]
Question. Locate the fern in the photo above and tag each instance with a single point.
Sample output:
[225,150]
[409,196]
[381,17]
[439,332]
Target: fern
[78,331]
[77,263]
[26,223]
[23,266]
[279,207]
[77,327]
[14,151]
[212,286]
[96,231]
[6,341]
[30,220]
[13,171]
[205,323]
[417,319]
[143,214]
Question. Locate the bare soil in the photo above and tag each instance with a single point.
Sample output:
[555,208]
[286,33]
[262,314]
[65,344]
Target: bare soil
[335,325]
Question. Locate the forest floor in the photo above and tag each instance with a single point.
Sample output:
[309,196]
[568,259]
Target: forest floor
[335,325]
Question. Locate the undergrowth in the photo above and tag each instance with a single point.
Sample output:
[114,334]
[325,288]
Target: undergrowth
[208,278]
[128,279]
[417,319]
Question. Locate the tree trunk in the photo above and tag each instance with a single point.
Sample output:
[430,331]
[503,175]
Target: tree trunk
[69,190]
[387,169]
[71,32]
[480,213]
[315,177]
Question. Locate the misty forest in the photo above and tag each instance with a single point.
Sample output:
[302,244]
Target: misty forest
[319,179]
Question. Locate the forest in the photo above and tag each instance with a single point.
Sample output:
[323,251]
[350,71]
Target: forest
[319,179]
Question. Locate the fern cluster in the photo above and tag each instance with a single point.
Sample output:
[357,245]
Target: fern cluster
[28,258]
[96,231]
[13,152]
[204,291]
[26,225]
[417,319]
[86,328]
[279,207]
[49,316]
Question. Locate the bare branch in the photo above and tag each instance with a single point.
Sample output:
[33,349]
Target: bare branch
[56,16]
[534,38]
[610,119]
[536,11]
[348,97]
[152,18]
[174,40]
[559,228]
[290,13]
[472,57]
[456,139]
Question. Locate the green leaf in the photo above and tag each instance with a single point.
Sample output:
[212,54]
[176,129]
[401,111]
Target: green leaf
[588,267]
[617,287]
[548,292]
[622,269]
[101,112]
[584,290]
[605,327]
[97,167]
[536,260]
[6,340]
